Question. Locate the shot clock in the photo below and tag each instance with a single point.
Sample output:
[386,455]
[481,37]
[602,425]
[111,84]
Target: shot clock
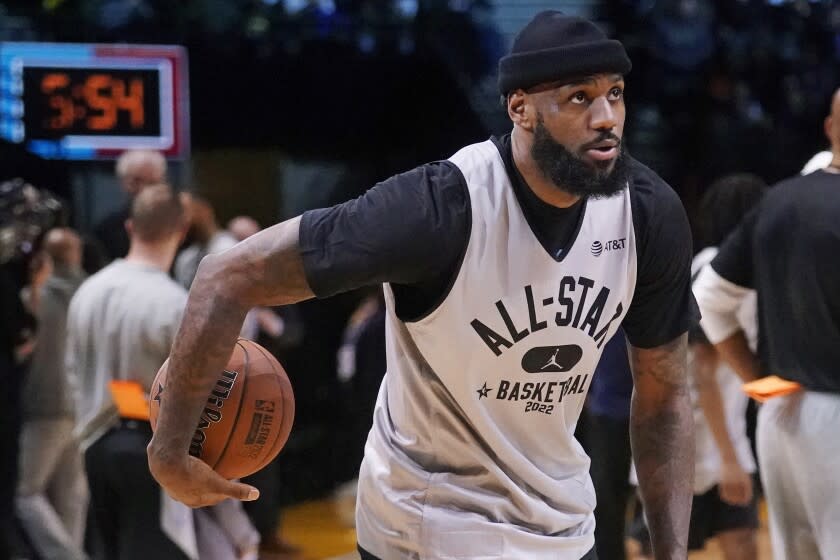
[78,101]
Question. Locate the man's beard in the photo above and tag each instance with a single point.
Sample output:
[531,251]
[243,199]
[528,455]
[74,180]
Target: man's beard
[570,173]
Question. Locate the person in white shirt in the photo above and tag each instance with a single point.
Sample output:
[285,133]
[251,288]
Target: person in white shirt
[724,501]
[120,326]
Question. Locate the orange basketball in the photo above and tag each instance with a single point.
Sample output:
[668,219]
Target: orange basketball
[248,415]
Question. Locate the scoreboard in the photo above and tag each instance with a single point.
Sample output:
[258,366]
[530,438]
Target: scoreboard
[93,101]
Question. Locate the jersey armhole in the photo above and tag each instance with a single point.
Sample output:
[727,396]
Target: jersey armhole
[456,271]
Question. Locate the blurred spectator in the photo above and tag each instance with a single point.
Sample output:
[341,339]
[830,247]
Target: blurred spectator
[207,237]
[14,323]
[243,227]
[52,494]
[724,500]
[608,408]
[136,169]
[261,323]
[820,160]
[25,213]
[260,319]
[120,327]
[361,366]
[224,532]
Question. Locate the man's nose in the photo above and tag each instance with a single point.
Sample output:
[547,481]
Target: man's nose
[602,114]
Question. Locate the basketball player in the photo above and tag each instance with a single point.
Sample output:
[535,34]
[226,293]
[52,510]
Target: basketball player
[516,252]
[787,250]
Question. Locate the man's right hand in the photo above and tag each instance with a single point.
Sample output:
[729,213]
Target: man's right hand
[192,482]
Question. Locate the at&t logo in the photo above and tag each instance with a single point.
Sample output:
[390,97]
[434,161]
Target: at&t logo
[611,245]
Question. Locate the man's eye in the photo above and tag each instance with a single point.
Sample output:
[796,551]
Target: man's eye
[616,93]
[578,97]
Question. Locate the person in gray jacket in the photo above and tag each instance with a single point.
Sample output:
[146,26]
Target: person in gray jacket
[52,493]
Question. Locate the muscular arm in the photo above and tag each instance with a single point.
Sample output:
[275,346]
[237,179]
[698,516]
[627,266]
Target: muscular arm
[265,269]
[662,437]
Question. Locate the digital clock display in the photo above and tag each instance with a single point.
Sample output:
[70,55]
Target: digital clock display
[62,101]
[93,101]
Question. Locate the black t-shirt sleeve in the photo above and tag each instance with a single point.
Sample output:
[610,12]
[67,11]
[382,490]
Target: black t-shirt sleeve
[663,305]
[409,230]
[734,261]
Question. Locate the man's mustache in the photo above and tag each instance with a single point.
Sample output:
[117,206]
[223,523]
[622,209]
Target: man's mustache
[602,137]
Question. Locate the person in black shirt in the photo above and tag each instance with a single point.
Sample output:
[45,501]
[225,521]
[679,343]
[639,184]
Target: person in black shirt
[561,175]
[788,250]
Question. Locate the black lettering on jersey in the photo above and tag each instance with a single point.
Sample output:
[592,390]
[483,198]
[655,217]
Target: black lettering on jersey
[575,382]
[563,318]
[491,338]
[501,394]
[526,391]
[583,384]
[582,313]
[532,311]
[514,393]
[550,390]
[586,283]
[593,316]
[601,337]
[564,385]
[514,334]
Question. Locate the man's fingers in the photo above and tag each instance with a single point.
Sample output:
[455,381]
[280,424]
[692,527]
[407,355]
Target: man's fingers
[236,490]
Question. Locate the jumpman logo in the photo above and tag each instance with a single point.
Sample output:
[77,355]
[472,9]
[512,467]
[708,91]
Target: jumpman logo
[552,361]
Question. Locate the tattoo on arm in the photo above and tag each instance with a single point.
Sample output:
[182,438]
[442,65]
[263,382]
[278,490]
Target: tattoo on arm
[662,437]
[265,269]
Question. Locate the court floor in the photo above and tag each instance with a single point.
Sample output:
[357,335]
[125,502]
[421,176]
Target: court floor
[320,529]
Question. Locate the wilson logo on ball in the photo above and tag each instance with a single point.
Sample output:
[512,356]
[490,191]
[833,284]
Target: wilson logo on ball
[597,248]
[213,411]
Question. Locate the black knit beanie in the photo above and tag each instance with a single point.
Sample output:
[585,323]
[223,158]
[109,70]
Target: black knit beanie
[554,46]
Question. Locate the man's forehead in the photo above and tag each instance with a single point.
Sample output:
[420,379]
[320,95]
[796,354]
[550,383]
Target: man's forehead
[572,81]
[591,79]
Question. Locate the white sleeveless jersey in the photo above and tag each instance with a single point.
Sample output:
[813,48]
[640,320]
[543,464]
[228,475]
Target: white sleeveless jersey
[472,453]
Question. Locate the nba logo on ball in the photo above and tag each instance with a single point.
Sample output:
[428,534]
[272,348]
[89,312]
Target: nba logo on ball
[247,417]
[265,406]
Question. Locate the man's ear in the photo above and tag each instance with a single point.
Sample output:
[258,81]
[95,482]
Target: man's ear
[520,109]
[129,227]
